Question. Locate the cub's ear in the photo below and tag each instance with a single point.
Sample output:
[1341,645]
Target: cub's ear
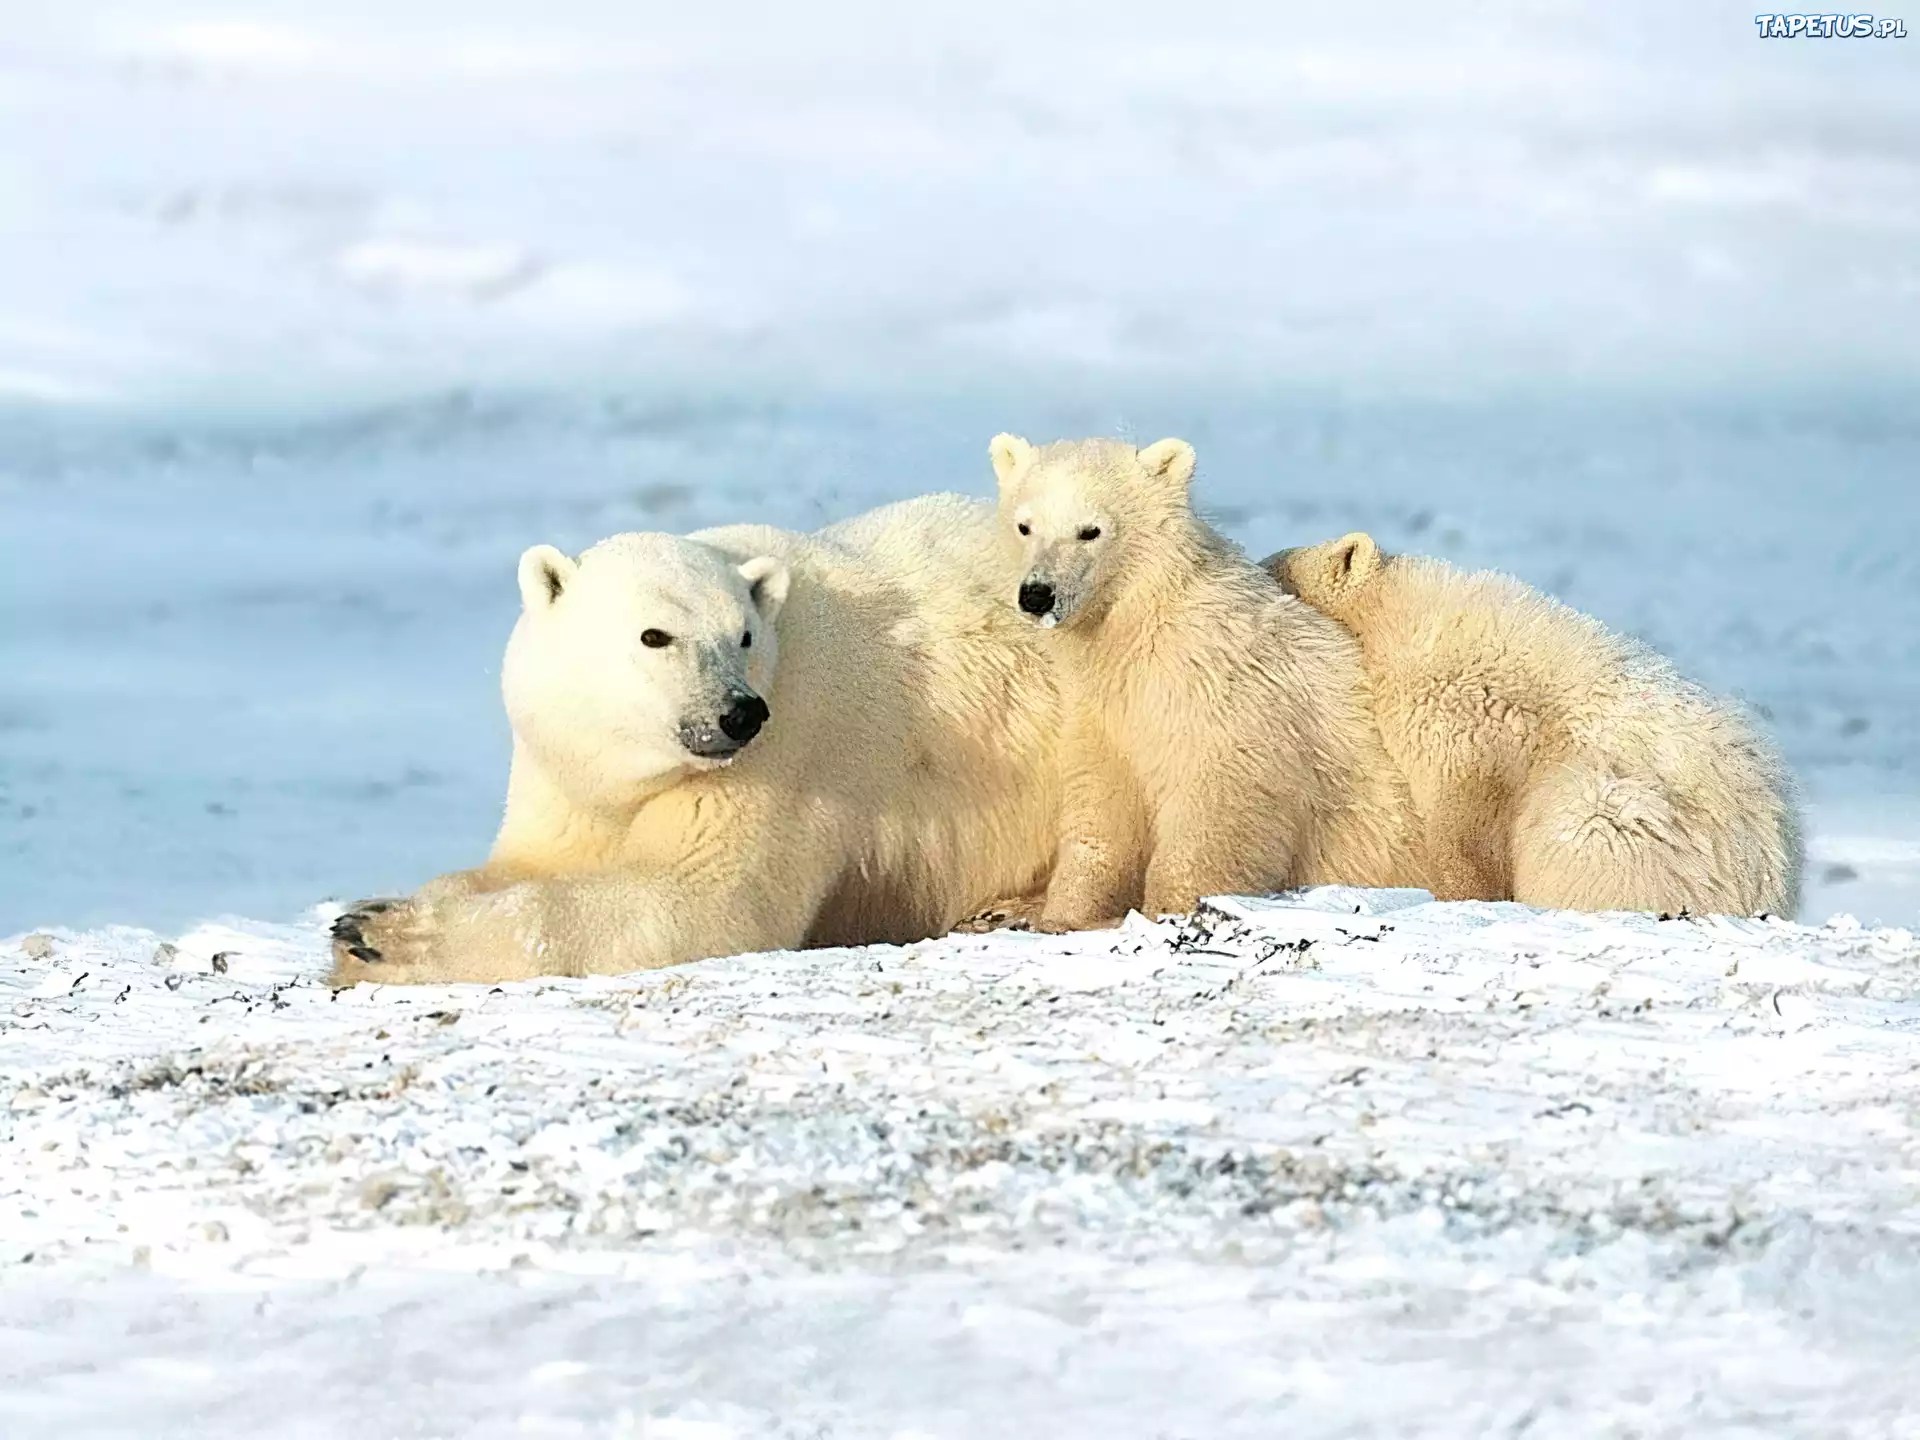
[1355,559]
[1170,460]
[1280,566]
[544,573]
[1009,453]
[767,580]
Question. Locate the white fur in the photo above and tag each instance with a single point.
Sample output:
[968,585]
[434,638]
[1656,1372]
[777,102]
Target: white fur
[604,712]
[1550,760]
[1216,734]
[905,778]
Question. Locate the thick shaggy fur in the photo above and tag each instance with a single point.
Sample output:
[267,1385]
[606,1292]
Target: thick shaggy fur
[1552,761]
[906,777]
[1217,736]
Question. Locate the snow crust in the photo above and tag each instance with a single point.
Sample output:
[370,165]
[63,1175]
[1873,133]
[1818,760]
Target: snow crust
[1339,1163]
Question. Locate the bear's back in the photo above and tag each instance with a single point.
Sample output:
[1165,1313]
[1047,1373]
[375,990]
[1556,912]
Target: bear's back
[946,542]
[925,712]
[1487,650]
[971,781]
[1575,683]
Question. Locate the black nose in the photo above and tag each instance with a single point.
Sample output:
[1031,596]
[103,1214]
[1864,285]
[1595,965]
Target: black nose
[741,721]
[1036,597]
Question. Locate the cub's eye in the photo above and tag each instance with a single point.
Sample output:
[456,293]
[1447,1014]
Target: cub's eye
[655,639]
[746,640]
[1090,532]
[1024,528]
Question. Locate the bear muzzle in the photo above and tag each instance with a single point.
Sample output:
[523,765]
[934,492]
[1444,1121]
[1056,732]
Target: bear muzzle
[730,732]
[1036,598]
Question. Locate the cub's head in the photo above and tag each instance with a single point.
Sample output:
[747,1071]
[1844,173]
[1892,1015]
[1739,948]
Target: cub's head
[1076,513]
[648,656]
[1332,576]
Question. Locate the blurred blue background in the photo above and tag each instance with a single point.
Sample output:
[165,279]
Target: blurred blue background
[311,318]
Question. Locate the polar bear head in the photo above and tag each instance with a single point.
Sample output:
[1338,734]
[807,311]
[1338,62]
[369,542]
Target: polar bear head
[647,657]
[1078,513]
[1334,577]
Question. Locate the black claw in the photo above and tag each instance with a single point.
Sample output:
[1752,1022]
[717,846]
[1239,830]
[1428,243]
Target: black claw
[348,929]
[364,953]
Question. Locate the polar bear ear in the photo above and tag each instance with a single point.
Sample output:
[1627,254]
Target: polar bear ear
[1170,460]
[1280,566]
[767,580]
[1009,453]
[544,573]
[1354,560]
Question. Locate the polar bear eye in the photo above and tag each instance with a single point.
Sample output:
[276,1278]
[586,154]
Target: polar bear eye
[1090,532]
[1025,529]
[655,639]
[746,640]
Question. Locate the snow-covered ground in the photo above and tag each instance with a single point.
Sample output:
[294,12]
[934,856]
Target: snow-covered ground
[1352,1164]
[312,317]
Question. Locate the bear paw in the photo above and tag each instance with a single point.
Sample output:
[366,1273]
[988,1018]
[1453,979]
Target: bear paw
[1072,924]
[375,940]
[1013,914]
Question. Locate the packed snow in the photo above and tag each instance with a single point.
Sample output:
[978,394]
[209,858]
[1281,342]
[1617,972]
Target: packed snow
[311,318]
[1341,1163]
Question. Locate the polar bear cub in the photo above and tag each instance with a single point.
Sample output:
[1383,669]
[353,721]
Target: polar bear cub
[1552,761]
[742,740]
[1215,734]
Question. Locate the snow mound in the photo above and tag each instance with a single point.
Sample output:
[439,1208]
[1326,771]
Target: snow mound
[1353,1158]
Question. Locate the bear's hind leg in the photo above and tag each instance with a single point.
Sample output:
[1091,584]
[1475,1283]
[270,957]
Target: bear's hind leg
[1589,838]
[1468,836]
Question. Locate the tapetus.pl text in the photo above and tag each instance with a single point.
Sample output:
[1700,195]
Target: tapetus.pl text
[1830,27]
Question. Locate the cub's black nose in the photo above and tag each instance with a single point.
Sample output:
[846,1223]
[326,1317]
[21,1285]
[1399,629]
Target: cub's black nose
[741,721]
[1036,597]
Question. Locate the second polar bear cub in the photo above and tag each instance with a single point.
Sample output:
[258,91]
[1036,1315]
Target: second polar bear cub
[1552,761]
[1216,736]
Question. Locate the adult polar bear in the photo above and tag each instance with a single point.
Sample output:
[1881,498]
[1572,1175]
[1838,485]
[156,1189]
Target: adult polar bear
[906,776]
